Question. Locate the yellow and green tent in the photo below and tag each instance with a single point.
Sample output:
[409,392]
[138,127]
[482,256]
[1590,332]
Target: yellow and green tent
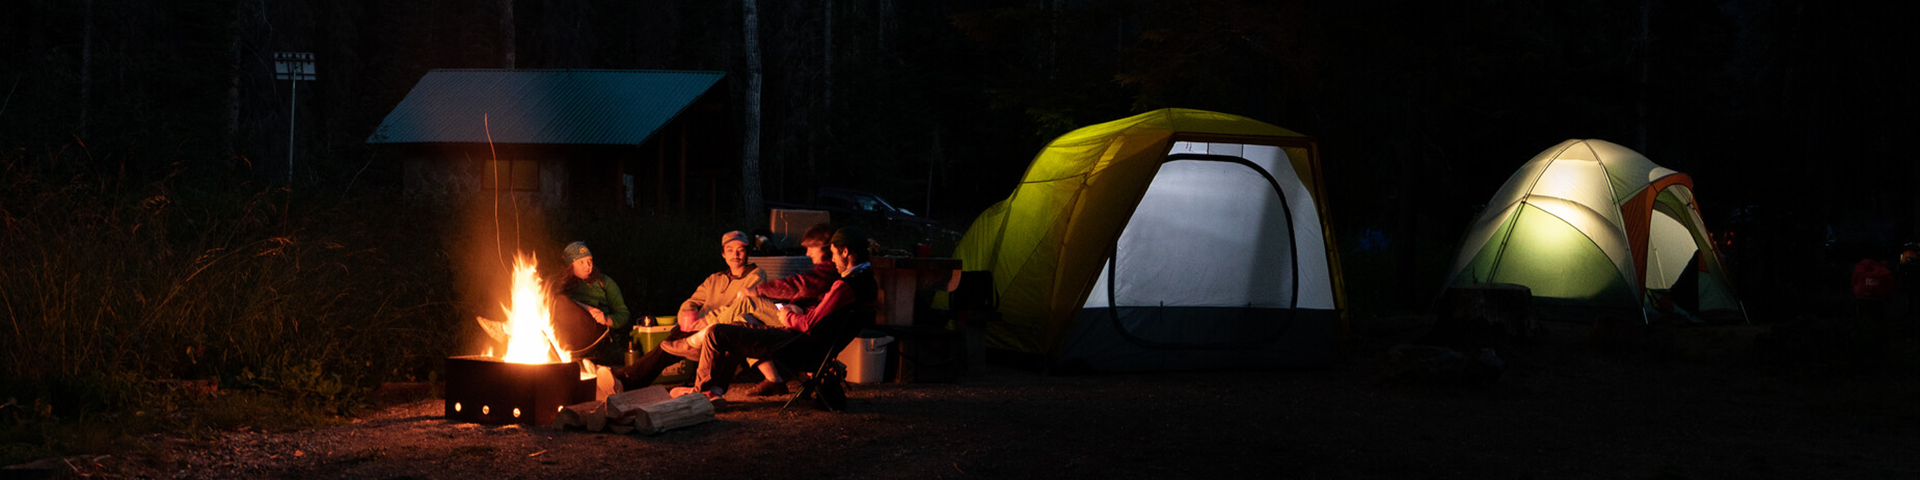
[1175,239]
[1595,228]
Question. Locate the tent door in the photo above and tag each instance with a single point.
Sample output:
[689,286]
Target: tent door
[1210,257]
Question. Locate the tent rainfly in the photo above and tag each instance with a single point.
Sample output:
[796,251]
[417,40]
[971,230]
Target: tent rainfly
[1594,228]
[1171,240]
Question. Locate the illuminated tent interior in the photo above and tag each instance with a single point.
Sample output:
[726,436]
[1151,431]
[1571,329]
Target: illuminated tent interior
[1594,228]
[1171,240]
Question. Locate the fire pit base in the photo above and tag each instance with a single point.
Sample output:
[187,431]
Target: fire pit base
[483,389]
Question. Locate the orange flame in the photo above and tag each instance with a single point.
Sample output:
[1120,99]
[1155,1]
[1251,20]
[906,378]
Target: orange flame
[530,318]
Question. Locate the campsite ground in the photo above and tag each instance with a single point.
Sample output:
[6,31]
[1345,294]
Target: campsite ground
[1692,406]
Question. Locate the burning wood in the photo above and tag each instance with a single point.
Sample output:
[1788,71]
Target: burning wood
[533,377]
[529,324]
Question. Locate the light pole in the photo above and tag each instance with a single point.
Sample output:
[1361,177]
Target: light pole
[295,67]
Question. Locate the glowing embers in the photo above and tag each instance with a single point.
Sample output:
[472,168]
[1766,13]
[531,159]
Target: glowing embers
[484,389]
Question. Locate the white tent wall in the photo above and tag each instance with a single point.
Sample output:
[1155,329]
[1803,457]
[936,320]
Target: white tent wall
[1677,203]
[1188,243]
[1204,271]
[1670,246]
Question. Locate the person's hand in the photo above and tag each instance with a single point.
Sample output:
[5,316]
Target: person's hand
[599,316]
[686,322]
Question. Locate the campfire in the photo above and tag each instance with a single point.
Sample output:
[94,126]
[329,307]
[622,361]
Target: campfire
[532,378]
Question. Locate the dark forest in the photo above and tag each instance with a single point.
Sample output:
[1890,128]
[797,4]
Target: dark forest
[149,202]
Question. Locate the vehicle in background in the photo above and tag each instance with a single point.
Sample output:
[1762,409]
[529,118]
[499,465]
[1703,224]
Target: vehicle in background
[855,207]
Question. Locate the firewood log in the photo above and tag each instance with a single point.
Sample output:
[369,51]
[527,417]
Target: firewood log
[576,415]
[596,418]
[626,404]
[681,411]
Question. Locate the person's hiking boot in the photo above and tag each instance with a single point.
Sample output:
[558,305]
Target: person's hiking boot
[768,388]
[605,385]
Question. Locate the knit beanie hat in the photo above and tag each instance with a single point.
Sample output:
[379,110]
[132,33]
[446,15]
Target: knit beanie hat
[851,238]
[576,251]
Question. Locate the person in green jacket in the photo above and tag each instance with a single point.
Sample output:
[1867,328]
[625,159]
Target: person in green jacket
[598,308]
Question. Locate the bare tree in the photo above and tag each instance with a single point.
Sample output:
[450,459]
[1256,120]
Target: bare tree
[506,32]
[1644,45]
[750,148]
[233,75]
[825,127]
[86,68]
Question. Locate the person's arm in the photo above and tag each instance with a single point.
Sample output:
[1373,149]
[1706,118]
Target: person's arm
[690,309]
[837,297]
[617,314]
[809,284]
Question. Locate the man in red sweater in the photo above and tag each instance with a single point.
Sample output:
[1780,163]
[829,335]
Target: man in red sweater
[808,333]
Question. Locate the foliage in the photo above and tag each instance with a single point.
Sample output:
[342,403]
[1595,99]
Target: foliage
[115,290]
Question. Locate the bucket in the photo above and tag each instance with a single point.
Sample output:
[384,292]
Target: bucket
[646,339]
[866,357]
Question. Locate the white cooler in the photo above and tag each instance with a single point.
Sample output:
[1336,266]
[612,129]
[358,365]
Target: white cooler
[866,358]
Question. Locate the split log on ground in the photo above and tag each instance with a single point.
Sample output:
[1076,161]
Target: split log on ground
[576,415]
[596,419]
[627,403]
[681,411]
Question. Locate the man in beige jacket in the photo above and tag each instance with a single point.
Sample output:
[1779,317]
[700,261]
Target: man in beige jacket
[725,297]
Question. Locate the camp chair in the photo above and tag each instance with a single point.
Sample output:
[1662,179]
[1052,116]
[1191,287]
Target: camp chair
[829,379]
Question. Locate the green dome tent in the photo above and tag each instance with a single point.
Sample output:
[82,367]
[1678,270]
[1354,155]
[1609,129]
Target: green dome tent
[1592,227]
[1171,240]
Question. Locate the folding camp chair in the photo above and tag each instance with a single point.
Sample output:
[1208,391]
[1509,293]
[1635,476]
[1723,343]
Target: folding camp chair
[829,379]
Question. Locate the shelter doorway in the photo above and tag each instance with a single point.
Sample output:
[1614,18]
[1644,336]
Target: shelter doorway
[1223,249]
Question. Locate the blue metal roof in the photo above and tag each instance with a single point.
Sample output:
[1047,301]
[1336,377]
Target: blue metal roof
[594,107]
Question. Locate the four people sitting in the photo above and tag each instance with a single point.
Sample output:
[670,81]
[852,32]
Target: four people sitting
[734,316]
[808,334]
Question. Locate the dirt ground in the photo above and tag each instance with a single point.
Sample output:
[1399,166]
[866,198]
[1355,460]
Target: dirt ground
[1564,409]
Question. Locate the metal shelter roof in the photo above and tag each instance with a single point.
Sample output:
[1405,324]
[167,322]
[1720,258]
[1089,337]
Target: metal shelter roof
[592,107]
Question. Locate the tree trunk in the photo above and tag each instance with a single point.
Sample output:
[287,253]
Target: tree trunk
[233,76]
[826,95]
[750,148]
[886,24]
[506,33]
[824,129]
[1053,37]
[1645,43]
[86,68]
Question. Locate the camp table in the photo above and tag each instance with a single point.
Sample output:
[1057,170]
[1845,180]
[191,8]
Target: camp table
[900,278]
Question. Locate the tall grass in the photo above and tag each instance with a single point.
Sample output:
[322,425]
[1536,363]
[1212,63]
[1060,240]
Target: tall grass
[114,290]
[295,304]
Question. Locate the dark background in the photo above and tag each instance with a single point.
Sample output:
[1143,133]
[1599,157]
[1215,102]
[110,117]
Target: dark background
[153,131]
[1790,115]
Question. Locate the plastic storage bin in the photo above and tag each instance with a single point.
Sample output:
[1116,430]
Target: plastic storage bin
[866,357]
